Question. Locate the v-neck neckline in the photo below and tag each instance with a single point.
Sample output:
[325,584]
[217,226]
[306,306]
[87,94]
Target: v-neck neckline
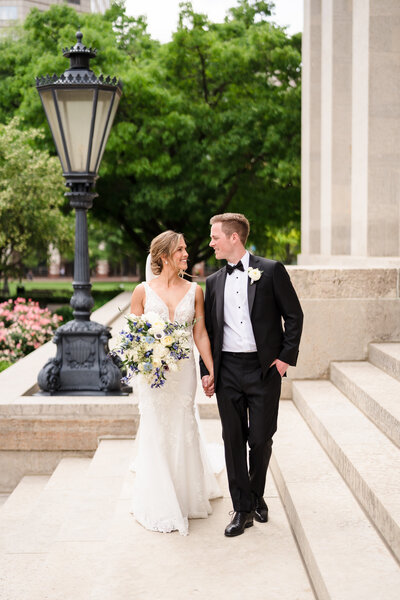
[166,306]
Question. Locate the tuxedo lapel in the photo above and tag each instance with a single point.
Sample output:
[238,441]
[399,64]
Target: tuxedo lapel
[219,296]
[251,288]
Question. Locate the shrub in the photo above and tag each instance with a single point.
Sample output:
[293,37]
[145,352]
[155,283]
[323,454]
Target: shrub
[24,326]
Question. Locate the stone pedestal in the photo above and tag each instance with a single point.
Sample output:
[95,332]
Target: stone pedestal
[345,309]
[82,365]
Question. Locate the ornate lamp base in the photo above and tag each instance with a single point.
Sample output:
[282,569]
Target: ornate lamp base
[82,365]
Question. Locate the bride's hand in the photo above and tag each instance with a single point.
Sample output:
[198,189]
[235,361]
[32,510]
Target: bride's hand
[208,385]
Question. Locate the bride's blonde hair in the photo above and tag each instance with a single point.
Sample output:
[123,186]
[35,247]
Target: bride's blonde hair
[164,244]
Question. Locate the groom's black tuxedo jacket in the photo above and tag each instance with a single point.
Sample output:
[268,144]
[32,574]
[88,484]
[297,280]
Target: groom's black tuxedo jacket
[270,299]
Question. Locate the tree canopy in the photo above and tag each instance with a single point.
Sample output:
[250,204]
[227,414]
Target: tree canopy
[31,188]
[208,123]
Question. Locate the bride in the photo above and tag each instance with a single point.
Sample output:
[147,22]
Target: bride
[174,480]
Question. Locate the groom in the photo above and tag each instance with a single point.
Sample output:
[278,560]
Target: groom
[245,303]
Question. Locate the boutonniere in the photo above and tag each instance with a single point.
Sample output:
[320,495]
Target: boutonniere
[254,274]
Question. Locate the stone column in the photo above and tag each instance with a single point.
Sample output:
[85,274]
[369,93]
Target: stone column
[327,85]
[311,128]
[375,206]
[383,128]
[358,200]
[341,127]
[359,182]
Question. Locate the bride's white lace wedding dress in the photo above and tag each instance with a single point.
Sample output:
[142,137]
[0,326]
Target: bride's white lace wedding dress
[174,480]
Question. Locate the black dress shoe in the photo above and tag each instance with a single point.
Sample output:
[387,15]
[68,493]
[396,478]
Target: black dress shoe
[240,521]
[261,511]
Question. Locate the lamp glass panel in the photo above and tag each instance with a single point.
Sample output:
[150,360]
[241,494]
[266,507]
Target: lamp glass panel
[76,107]
[50,110]
[109,125]
[103,104]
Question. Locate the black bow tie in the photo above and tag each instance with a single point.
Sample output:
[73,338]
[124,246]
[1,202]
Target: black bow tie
[231,268]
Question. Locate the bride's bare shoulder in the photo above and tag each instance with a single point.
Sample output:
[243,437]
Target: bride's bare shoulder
[138,294]
[139,290]
[138,299]
[199,291]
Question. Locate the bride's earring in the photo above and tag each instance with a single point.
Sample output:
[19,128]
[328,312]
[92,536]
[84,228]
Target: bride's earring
[166,262]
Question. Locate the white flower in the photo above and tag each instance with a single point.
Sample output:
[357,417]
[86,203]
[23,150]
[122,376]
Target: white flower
[159,352]
[152,318]
[254,274]
[167,340]
[157,329]
[132,354]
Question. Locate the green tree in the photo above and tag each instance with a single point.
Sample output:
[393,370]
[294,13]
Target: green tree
[31,189]
[209,122]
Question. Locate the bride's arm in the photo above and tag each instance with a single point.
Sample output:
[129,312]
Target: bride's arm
[137,300]
[200,334]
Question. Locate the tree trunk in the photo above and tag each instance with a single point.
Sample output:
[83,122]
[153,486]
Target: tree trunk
[6,290]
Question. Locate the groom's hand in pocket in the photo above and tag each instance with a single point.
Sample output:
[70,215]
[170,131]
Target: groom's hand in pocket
[281,366]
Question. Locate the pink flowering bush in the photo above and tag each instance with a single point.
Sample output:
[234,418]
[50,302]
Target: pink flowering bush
[24,326]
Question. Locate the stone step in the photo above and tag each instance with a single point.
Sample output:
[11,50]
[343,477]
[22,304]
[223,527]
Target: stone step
[24,547]
[373,391]
[80,540]
[386,356]
[344,554]
[20,502]
[262,563]
[367,460]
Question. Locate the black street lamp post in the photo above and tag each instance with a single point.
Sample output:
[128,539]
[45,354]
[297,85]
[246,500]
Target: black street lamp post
[80,109]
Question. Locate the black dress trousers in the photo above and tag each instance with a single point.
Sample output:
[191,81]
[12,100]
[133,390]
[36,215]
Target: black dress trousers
[248,405]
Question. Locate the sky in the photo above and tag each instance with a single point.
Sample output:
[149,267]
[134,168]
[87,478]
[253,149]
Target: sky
[162,15]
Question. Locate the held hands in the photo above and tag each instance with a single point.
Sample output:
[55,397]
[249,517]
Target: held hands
[281,366]
[208,385]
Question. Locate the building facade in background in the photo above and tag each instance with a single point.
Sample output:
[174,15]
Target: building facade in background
[12,11]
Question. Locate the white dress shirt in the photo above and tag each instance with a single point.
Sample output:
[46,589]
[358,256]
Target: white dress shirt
[238,330]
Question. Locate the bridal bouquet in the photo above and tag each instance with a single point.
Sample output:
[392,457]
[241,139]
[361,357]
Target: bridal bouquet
[152,347]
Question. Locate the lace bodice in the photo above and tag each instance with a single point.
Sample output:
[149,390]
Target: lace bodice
[185,310]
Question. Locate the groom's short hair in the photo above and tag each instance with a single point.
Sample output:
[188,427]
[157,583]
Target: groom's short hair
[233,223]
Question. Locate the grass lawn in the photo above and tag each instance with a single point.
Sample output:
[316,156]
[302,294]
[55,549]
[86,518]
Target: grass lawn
[66,286]
[63,285]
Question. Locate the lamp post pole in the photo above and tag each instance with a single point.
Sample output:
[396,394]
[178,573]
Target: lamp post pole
[80,109]
[81,301]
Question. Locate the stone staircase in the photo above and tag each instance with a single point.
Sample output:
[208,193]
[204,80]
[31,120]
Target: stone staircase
[334,511]
[336,464]
[72,537]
